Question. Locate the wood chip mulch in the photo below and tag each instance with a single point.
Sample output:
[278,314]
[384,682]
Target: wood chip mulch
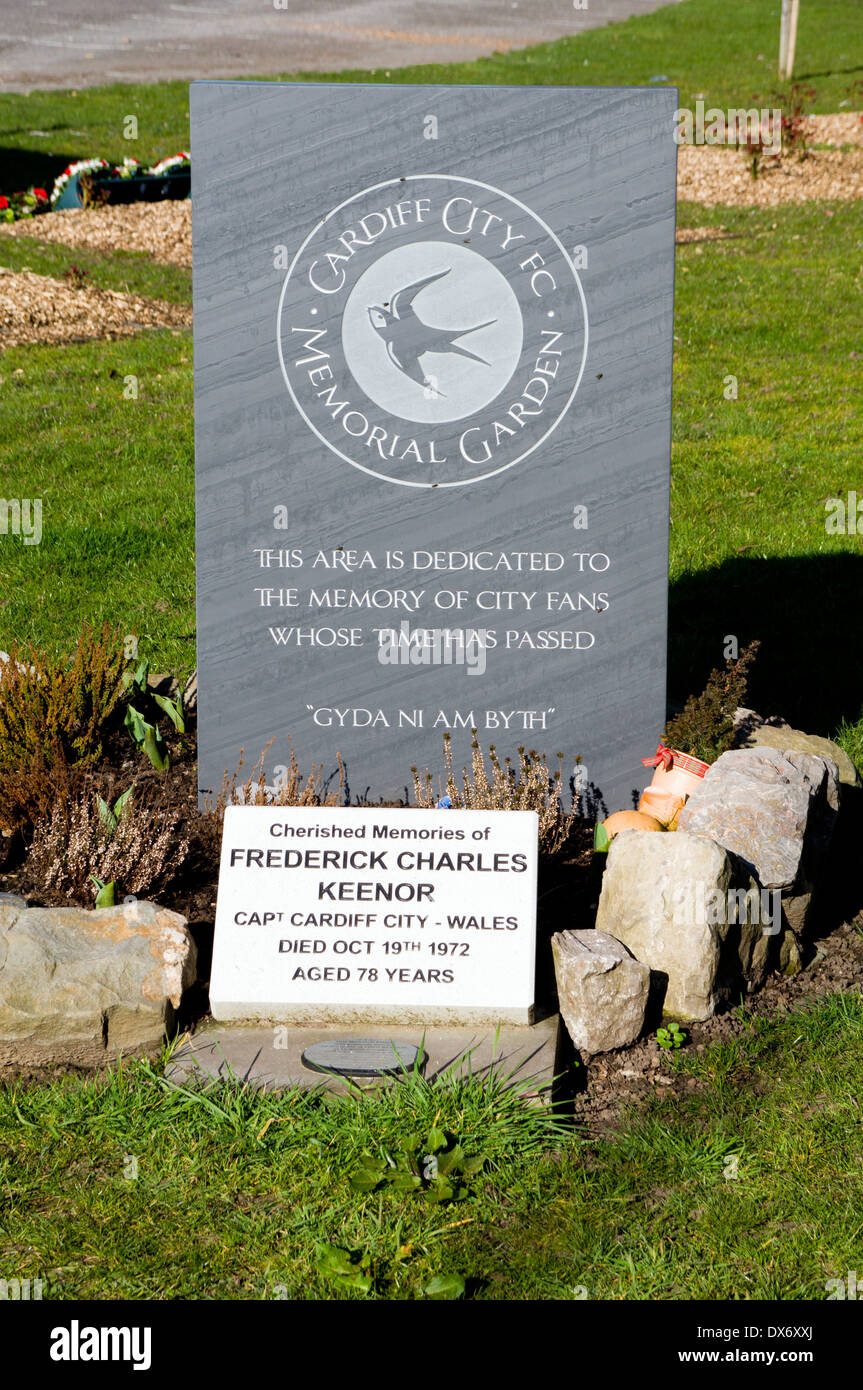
[711,175]
[161,230]
[706,174]
[36,309]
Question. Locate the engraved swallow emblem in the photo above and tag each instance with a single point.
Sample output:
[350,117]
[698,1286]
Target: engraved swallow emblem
[408,338]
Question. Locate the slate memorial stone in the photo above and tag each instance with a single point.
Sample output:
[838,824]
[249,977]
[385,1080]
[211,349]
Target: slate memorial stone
[346,915]
[360,1057]
[433,343]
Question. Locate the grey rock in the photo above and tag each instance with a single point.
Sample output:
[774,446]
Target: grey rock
[762,805]
[79,987]
[19,665]
[190,693]
[790,953]
[754,732]
[163,684]
[796,907]
[602,989]
[666,897]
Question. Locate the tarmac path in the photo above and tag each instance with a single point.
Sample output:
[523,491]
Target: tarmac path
[47,44]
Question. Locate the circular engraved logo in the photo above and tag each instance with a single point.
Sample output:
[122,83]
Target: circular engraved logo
[432,331]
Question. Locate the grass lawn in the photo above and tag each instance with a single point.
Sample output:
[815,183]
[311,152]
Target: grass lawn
[749,1187]
[132,272]
[726,54]
[116,478]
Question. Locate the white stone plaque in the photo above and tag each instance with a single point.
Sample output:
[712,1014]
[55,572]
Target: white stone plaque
[348,915]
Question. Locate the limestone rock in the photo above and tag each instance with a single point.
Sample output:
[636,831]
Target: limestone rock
[767,808]
[753,732]
[163,684]
[19,665]
[81,986]
[676,901]
[790,953]
[190,693]
[602,989]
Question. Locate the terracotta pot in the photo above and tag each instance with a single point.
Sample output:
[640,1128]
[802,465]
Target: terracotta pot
[662,805]
[674,772]
[630,820]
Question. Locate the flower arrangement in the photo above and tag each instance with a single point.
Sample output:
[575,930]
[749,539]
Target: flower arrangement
[81,166]
[181,160]
[23,204]
[36,200]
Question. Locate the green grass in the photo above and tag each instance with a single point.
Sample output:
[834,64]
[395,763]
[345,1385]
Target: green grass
[116,479]
[250,1184]
[750,555]
[727,54]
[133,272]
[750,1187]
[659,1214]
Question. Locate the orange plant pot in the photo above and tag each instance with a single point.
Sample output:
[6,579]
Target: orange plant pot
[676,773]
[664,806]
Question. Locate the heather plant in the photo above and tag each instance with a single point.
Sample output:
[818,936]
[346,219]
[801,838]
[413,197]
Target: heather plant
[76,277]
[530,786]
[136,843]
[53,711]
[291,789]
[705,727]
[28,793]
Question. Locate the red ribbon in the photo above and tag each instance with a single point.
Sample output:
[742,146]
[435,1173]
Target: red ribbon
[664,756]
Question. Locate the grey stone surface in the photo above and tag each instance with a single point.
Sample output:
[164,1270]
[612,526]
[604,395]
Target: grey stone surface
[163,683]
[602,989]
[790,952]
[773,811]
[272,1056]
[80,986]
[659,894]
[562,168]
[754,732]
[392,1014]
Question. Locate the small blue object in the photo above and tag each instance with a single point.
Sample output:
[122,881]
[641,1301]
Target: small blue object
[445,803]
[662,78]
